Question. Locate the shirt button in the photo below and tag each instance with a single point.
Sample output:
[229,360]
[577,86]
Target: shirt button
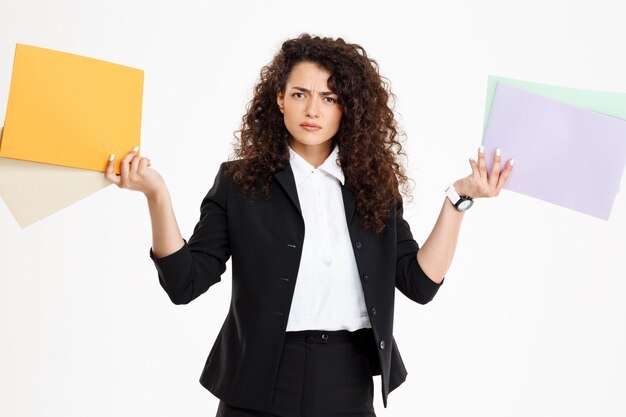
[382,344]
[373,310]
[358,245]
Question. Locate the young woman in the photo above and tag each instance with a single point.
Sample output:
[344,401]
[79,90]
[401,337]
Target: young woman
[311,213]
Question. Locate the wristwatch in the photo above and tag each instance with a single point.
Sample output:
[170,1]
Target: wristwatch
[461,203]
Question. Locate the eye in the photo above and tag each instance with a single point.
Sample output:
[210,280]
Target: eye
[330,99]
[297,95]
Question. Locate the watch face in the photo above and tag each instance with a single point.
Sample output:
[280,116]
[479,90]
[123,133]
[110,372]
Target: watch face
[465,204]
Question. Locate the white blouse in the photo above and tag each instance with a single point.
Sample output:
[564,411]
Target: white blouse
[328,293]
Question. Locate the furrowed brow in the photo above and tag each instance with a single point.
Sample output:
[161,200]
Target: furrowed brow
[322,93]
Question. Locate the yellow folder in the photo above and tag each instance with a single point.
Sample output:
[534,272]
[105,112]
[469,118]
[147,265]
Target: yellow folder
[71,110]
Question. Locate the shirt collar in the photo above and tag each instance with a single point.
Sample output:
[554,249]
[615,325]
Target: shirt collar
[301,168]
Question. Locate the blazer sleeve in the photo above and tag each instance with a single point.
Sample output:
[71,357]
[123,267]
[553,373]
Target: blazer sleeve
[411,280]
[190,271]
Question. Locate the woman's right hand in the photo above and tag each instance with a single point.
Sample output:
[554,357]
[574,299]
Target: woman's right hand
[135,174]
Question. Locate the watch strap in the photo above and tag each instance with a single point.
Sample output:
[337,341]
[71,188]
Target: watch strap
[457,199]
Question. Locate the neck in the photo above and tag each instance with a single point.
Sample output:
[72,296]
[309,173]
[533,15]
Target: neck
[313,154]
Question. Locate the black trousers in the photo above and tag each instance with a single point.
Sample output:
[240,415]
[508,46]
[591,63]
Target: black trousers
[321,374]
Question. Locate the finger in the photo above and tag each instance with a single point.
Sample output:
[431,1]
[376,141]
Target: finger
[134,165]
[474,166]
[109,174]
[124,166]
[142,165]
[505,175]
[495,169]
[482,165]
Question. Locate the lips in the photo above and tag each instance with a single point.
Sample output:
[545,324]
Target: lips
[310,126]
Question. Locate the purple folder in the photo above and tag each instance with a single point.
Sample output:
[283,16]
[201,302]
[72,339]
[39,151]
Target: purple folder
[563,154]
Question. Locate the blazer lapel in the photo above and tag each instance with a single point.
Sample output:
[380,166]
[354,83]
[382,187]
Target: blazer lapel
[349,203]
[286,180]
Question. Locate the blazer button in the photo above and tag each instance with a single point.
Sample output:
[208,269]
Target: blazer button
[365,278]
[373,310]
[382,344]
[358,244]
[324,336]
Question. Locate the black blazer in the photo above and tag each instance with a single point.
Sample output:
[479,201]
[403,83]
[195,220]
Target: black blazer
[265,240]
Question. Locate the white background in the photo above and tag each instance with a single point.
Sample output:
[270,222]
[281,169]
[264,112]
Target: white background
[531,320]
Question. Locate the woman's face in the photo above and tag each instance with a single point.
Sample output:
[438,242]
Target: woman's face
[312,114]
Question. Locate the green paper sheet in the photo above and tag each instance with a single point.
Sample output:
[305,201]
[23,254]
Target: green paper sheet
[609,103]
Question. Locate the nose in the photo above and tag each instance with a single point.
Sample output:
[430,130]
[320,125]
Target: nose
[312,108]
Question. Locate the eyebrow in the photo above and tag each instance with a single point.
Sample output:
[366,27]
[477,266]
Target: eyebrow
[323,93]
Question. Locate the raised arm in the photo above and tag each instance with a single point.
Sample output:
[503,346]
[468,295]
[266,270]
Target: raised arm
[136,175]
[185,270]
[435,255]
[166,236]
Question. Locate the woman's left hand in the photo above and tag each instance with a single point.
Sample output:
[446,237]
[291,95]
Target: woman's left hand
[478,183]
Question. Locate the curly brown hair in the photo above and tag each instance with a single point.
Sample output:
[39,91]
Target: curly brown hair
[368,136]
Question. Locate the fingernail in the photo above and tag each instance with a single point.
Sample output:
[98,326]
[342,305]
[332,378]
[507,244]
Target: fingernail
[498,152]
[136,148]
[512,161]
[112,157]
[482,149]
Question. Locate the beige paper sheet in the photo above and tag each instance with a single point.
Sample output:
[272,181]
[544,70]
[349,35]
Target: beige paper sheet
[33,191]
